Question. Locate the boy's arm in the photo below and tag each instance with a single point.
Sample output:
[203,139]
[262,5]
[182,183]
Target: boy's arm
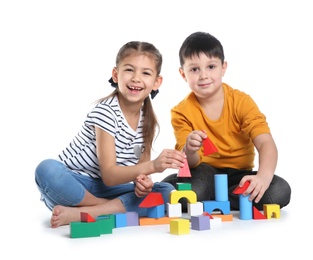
[268,155]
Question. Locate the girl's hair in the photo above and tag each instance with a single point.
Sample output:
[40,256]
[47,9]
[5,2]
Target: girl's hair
[150,124]
[201,42]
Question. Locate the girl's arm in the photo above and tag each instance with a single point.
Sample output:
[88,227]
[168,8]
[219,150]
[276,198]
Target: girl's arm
[113,174]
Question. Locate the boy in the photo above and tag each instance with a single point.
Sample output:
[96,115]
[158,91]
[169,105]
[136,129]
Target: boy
[232,121]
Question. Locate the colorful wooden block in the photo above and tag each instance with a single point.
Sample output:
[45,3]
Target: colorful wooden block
[200,222]
[179,226]
[271,210]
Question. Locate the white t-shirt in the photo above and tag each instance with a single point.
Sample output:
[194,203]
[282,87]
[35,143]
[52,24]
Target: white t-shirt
[80,155]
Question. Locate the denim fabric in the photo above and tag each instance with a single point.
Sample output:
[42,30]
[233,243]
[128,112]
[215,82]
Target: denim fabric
[59,185]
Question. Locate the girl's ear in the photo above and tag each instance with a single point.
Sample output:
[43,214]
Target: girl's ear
[182,73]
[158,82]
[114,74]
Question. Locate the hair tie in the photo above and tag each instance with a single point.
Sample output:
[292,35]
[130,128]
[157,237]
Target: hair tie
[153,93]
[113,84]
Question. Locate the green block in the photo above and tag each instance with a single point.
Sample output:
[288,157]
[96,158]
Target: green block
[107,223]
[85,229]
[183,186]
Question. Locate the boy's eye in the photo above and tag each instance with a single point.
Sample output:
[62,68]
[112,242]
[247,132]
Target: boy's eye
[194,69]
[211,67]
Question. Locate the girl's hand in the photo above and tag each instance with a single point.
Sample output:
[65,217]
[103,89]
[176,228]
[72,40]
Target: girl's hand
[143,185]
[169,159]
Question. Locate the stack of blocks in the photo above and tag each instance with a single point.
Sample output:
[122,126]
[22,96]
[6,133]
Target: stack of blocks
[202,214]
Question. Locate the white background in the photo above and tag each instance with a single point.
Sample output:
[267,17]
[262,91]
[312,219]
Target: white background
[55,60]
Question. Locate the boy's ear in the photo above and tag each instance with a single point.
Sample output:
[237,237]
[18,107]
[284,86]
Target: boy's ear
[158,83]
[182,73]
[224,67]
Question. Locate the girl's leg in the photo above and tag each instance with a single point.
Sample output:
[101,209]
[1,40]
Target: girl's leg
[127,202]
[62,215]
[60,186]
[131,202]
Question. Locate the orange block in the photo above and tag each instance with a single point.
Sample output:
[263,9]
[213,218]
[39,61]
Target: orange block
[227,217]
[145,221]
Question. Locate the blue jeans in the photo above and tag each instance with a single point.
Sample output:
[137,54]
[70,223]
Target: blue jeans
[59,185]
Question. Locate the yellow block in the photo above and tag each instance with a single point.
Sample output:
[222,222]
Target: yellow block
[271,210]
[176,195]
[179,226]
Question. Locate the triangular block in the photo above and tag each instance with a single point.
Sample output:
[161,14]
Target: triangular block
[85,217]
[208,147]
[258,214]
[151,200]
[240,190]
[184,171]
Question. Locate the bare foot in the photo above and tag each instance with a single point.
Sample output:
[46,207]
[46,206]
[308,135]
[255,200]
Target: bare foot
[62,215]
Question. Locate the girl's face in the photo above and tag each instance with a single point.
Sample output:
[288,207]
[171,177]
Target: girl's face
[203,74]
[136,76]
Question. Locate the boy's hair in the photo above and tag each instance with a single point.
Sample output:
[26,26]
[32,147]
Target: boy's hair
[201,42]
[150,124]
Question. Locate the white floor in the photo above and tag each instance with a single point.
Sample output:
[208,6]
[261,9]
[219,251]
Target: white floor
[56,58]
[27,233]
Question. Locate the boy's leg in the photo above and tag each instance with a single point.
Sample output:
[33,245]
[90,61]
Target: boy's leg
[201,180]
[279,191]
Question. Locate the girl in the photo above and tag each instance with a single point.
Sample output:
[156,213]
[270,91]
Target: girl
[106,168]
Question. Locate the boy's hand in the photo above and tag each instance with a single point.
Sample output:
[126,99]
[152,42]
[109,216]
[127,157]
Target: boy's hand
[258,185]
[194,141]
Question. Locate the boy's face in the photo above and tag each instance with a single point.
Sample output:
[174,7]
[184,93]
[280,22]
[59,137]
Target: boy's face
[203,74]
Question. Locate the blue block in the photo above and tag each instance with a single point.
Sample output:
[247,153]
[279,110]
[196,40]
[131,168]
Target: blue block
[210,205]
[156,212]
[245,207]
[120,220]
[221,187]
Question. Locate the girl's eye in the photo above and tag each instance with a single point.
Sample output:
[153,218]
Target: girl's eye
[128,69]
[146,73]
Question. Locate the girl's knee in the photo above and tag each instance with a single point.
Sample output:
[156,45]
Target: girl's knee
[47,170]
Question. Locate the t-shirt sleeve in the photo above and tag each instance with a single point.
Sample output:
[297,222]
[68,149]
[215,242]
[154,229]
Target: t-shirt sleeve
[102,116]
[253,120]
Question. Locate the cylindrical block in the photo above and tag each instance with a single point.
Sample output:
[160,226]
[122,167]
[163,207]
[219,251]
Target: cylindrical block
[221,187]
[245,207]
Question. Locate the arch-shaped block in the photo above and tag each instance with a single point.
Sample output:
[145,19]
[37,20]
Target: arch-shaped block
[210,205]
[176,195]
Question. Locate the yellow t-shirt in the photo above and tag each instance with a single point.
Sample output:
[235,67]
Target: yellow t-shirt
[240,122]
